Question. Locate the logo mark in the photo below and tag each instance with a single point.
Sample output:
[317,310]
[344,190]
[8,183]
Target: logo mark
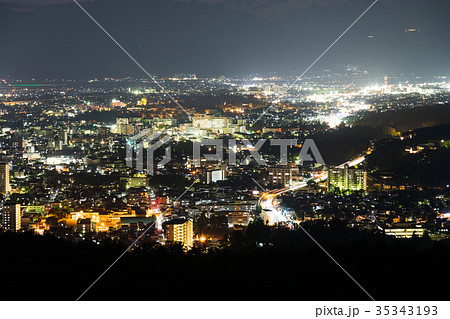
[150,141]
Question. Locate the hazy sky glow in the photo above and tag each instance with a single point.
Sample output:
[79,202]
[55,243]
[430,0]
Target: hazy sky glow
[212,37]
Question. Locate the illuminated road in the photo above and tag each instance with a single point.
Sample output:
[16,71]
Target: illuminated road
[269,203]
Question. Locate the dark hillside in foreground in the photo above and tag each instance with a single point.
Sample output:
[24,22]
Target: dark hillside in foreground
[45,268]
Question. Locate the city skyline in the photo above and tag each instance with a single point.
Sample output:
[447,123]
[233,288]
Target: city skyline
[226,150]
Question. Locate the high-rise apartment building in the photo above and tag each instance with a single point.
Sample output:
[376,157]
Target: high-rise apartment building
[283,175]
[4,178]
[181,231]
[11,217]
[346,179]
[124,127]
[84,225]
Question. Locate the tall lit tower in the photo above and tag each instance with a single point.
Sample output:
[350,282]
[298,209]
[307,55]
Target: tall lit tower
[11,217]
[4,178]
[181,231]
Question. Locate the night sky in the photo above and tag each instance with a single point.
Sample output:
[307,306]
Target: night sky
[54,38]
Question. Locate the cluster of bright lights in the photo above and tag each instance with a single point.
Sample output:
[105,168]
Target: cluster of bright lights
[334,120]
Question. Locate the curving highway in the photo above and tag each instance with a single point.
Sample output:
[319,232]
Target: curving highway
[269,203]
